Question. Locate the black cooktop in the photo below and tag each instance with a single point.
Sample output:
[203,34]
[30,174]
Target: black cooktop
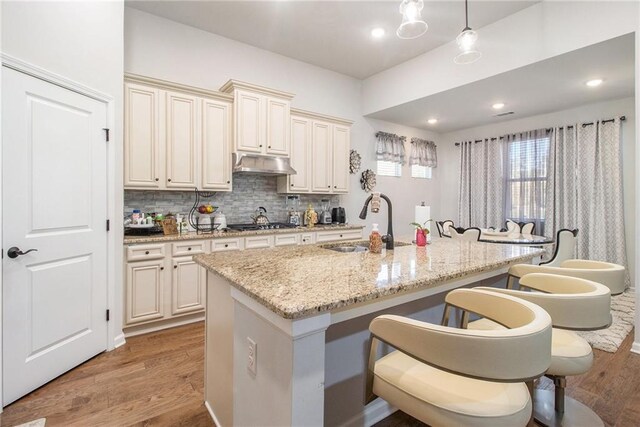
[250,227]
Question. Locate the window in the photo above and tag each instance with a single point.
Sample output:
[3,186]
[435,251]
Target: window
[386,168]
[418,171]
[526,181]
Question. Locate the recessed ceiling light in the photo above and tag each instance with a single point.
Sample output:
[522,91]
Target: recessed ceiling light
[376,33]
[432,121]
[498,106]
[594,82]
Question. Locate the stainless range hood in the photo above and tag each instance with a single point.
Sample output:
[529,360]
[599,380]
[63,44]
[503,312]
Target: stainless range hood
[262,165]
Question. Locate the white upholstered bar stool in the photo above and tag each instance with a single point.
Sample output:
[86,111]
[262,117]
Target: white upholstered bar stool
[574,304]
[446,376]
[609,274]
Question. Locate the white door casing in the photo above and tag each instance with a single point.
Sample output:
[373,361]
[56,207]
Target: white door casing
[54,200]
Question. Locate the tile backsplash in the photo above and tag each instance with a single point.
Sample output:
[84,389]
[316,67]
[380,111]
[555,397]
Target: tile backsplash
[249,192]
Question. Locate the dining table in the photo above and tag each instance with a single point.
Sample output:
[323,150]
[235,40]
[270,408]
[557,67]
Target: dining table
[490,236]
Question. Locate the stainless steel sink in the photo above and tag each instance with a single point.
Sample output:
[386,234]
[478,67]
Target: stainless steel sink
[355,248]
[359,246]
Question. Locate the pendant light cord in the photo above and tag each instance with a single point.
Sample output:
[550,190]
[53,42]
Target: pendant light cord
[466,15]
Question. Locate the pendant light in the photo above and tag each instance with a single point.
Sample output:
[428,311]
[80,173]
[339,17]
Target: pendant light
[412,25]
[466,41]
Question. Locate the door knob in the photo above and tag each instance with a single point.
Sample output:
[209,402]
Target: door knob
[15,252]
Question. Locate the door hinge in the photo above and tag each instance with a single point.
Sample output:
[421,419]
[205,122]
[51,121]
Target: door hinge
[108,225]
[106,131]
[107,315]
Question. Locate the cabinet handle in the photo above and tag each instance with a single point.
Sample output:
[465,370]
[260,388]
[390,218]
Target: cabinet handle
[335,186]
[328,186]
[175,266]
[226,245]
[341,235]
[228,182]
[146,252]
[292,185]
[169,179]
[269,146]
[161,268]
[157,179]
[188,249]
[260,145]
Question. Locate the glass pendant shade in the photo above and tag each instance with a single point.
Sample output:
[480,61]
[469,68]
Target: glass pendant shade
[412,25]
[466,41]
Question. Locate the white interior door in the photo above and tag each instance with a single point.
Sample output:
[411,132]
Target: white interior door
[54,200]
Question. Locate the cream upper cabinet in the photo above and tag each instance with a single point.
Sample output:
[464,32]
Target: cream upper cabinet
[341,151]
[216,145]
[300,157]
[176,137]
[321,147]
[261,118]
[278,120]
[181,140]
[142,137]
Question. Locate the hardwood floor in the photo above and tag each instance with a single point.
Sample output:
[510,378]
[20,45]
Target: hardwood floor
[611,388]
[158,380]
[153,380]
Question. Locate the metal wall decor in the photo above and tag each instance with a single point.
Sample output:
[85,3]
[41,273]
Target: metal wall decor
[354,162]
[368,180]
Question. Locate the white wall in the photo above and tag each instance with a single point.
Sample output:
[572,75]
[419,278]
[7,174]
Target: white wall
[449,154]
[541,31]
[164,49]
[83,42]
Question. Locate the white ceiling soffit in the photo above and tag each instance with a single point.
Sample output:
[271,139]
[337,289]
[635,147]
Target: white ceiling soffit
[551,85]
[335,35]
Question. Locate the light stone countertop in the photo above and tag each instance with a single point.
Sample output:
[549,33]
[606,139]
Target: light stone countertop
[299,281]
[159,238]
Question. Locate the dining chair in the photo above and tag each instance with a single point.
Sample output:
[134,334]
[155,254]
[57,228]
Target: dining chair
[445,376]
[512,227]
[565,247]
[574,305]
[527,227]
[443,227]
[471,234]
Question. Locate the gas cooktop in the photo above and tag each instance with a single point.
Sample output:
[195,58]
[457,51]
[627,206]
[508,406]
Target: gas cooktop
[249,227]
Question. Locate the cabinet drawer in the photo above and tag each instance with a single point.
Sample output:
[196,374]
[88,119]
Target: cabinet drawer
[143,252]
[333,235]
[287,239]
[219,245]
[258,242]
[307,239]
[191,247]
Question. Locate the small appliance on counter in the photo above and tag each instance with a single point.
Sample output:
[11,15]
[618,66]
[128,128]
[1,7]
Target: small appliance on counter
[325,214]
[339,215]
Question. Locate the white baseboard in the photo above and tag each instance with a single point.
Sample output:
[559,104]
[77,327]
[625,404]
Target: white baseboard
[132,331]
[213,416]
[119,341]
[635,347]
[376,411]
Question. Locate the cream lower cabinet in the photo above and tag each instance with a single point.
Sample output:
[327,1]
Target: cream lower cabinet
[320,149]
[145,291]
[187,286]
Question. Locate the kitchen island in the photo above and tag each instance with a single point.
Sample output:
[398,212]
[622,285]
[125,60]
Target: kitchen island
[286,328]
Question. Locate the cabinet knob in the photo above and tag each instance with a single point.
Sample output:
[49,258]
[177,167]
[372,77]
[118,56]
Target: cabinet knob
[269,146]
[260,145]
[146,252]
[175,266]
[188,249]
[161,268]
[169,179]
[226,245]
[157,179]
[228,182]
[335,186]
[292,185]
[341,235]
[328,186]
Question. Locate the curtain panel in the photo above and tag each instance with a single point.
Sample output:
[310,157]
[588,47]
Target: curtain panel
[390,147]
[423,153]
[481,195]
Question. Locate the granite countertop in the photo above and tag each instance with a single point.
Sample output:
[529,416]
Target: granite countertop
[159,238]
[299,281]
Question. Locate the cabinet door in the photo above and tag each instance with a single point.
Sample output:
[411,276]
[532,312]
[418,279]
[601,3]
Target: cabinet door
[141,137]
[187,286]
[145,288]
[321,158]
[216,145]
[181,140]
[250,123]
[278,129]
[341,159]
[300,154]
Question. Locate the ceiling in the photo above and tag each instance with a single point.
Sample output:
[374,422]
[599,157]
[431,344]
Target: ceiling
[552,85]
[335,35]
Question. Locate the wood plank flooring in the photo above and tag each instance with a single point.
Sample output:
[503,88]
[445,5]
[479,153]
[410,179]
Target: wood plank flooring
[158,380]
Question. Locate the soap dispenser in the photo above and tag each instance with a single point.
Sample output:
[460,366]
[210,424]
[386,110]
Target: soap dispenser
[375,240]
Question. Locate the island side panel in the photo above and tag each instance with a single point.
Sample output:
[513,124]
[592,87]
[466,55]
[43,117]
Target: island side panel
[219,350]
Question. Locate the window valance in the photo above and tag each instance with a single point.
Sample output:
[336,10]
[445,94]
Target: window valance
[423,153]
[390,147]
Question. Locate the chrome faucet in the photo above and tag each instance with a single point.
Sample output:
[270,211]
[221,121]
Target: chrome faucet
[388,238]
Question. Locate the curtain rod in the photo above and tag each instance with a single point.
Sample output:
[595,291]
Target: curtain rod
[622,119]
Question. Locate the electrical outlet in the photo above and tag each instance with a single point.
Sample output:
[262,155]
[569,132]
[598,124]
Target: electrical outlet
[252,360]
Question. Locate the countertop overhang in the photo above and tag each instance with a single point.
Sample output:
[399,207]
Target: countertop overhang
[300,281]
